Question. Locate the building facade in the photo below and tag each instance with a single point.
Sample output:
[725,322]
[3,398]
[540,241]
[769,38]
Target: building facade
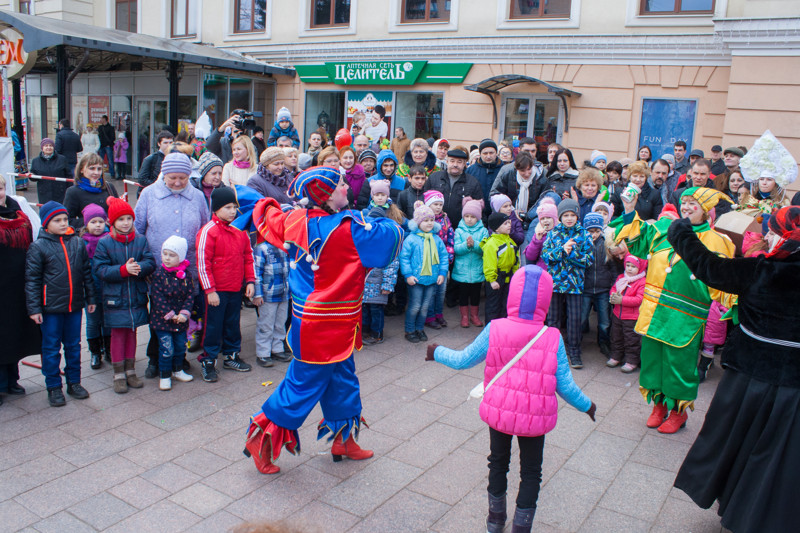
[608,75]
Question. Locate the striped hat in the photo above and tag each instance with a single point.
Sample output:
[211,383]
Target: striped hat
[176,163]
[315,185]
[51,210]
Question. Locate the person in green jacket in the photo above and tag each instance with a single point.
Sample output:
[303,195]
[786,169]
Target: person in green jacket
[500,261]
[468,264]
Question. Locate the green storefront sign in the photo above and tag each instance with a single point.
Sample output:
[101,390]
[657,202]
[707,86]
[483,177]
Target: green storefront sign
[383,72]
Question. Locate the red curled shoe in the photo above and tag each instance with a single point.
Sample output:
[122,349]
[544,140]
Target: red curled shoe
[657,416]
[675,422]
[349,449]
[264,438]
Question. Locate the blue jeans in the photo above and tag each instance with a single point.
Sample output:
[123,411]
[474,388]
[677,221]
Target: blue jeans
[94,324]
[603,307]
[419,299]
[58,329]
[373,318]
[108,151]
[222,325]
[171,351]
[436,306]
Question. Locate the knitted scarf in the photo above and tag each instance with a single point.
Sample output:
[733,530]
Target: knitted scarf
[522,197]
[385,206]
[269,177]
[16,232]
[430,254]
[91,242]
[241,164]
[86,185]
[180,269]
[625,280]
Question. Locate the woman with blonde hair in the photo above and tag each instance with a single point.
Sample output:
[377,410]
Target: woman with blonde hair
[244,163]
[328,157]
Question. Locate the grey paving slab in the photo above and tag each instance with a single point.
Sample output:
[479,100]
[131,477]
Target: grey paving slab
[170,477]
[16,516]
[201,499]
[98,447]
[216,523]
[63,522]
[680,515]
[601,455]
[160,517]
[452,478]
[429,446]
[30,447]
[605,520]
[397,515]
[639,491]
[568,499]
[318,516]
[138,492]
[102,511]
[26,476]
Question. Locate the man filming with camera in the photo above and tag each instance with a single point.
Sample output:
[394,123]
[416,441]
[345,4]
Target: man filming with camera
[219,142]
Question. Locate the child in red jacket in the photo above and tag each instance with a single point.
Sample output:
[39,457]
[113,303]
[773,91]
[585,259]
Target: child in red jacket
[224,264]
[626,297]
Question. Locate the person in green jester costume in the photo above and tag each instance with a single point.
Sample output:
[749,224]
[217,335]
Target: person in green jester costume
[675,306]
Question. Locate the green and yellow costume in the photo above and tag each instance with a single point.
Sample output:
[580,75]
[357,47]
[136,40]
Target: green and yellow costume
[674,311]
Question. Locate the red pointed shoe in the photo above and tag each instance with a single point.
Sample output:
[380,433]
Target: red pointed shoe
[657,416]
[349,449]
[675,422]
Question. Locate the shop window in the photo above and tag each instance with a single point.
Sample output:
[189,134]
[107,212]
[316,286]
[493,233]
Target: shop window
[675,7]
[184,18]
[326,110]
[250,15]
[25,6]
[531,116]
[534,9]
[419,114]
[126,15]
[425,11]
[327,13]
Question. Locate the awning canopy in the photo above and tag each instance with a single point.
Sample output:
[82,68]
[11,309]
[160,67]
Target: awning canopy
[119,48]
[493,85]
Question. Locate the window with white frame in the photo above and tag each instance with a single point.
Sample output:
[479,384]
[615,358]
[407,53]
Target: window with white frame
[676,7]
[425,11]
[534,9]
[329,13]
[184,18]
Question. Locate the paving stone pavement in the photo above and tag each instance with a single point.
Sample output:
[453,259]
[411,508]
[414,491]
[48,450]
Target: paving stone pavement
[172,461]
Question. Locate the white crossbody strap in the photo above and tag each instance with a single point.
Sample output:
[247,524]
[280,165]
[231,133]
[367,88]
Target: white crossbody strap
[516,358]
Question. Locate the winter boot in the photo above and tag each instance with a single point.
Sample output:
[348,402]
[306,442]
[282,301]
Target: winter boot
[432,323]
[440,319]
[96,352]
[675,422]
[55,395]
[474,317]
[657,416]
[77,391]
[702,367]
[349,449]
[107,348]
[496,520]
[130,374]
[523,520]
[120,383]
[464,316]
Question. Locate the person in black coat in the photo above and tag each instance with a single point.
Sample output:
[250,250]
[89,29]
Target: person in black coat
[649,202]
[53,165]
[699,175]
[107,138]
[90,188]
[68,143]
[455,184]
[506,183]
[151,166]
[486,168]
[746,455]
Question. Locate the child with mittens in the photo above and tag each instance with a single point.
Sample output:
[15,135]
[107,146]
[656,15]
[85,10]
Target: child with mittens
[97,337]
[423,262]
[626,297]
[547,213]
[568,251]
[502,204]
[171,297]
[597,281]
[123,262]
[435,200]
[468,264]
[380,282]
[58,283]
[500,261]
[522,400]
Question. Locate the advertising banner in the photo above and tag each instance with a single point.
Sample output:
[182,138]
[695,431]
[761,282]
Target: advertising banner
[665,121]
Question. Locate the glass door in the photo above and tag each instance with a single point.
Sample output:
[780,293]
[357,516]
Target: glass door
[150,118]
[531,116]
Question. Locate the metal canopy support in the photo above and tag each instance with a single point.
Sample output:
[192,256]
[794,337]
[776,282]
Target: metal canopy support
[61,82]
[493,85]
[174,81]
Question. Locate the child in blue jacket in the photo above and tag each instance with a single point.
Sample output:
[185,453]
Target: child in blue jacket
[568,251]
[468,264]
[424,262]
[283,127]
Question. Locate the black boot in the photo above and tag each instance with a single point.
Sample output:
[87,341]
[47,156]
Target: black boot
[55,396]
[96,352]
[496,520]
[107,348]
[703,366]
[523,520]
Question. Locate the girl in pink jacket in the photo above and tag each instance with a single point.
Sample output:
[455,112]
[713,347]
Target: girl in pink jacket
[522,401]
[626,297]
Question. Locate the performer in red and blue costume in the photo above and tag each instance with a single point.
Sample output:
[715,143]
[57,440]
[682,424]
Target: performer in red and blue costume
[331,252]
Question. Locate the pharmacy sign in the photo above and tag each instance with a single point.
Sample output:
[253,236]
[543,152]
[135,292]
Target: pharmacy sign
[383,72]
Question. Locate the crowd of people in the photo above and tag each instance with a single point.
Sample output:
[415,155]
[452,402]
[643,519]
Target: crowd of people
[541,239]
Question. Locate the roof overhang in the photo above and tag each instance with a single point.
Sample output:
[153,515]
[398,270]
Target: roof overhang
[41,33]
[492,86]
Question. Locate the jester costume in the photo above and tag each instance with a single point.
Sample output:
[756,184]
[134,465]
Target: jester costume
[674,310]
[330,258]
